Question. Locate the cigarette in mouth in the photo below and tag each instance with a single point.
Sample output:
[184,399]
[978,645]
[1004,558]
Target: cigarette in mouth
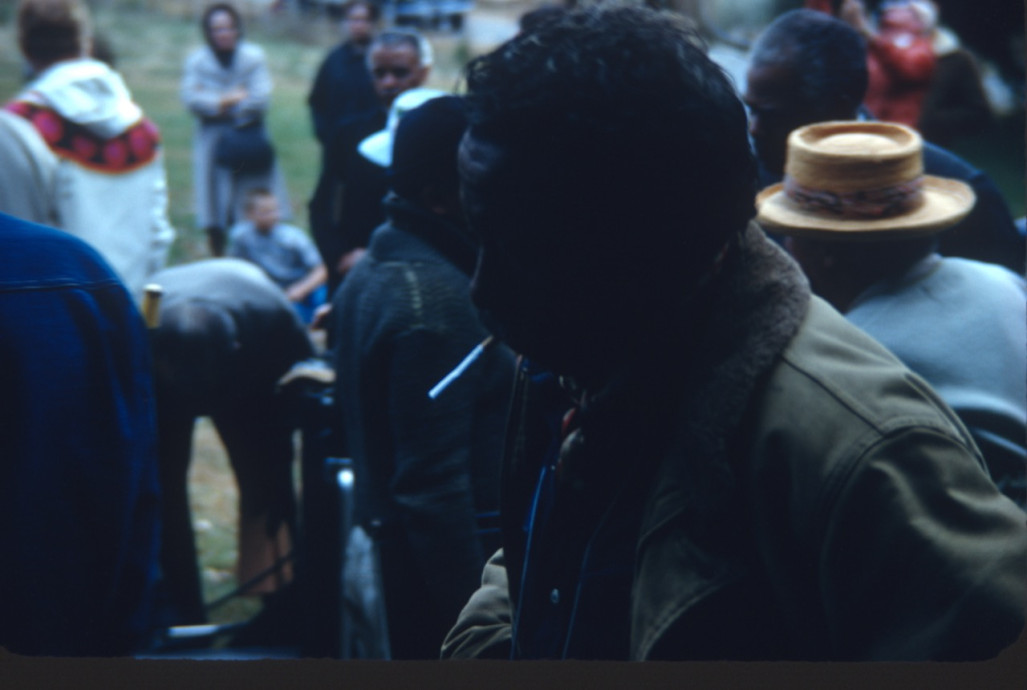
[460,368]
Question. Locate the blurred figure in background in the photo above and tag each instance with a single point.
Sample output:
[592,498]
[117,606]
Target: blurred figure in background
[347,204]
[956,104]
[427,470]
[103,179]
[342,87]
[808,67]
[730,469]
[285,253]
[900,59]
[79,514]
[227,87]
[226,336]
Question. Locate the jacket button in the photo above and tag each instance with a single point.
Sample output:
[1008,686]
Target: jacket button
[554,596]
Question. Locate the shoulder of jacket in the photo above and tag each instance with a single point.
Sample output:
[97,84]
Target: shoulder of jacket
[837,403]
[831,359]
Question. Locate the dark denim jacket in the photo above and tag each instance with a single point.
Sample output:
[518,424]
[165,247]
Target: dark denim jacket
[78,481]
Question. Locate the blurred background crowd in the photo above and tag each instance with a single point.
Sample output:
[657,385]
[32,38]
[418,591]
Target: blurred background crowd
[269,75]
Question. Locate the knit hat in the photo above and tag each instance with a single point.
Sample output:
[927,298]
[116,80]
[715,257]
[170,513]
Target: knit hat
[425,146]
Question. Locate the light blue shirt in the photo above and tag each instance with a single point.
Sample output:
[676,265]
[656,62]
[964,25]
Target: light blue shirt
[962,326]
[287,254]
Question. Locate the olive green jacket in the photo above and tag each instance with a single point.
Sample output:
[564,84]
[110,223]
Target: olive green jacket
[859,522]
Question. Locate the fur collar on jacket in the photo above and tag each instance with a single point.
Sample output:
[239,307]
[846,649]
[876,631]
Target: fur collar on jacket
[687,398]
[757,306]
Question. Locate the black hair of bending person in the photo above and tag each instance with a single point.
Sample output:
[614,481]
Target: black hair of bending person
[833,78]
[193,346]
[639,137]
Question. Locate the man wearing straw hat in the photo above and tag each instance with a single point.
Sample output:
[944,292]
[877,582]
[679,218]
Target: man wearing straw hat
[809,67]
[703,461]
[862,221]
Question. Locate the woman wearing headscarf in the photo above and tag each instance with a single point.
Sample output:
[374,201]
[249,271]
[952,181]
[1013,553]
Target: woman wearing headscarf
[226,86]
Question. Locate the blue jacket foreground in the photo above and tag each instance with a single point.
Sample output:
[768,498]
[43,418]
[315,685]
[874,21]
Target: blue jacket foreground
[78,481]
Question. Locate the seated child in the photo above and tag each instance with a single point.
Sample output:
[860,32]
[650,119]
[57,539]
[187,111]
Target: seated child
[286,253]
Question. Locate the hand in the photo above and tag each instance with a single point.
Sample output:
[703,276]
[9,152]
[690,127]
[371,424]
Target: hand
[232,98]
[319,321]
[349,259]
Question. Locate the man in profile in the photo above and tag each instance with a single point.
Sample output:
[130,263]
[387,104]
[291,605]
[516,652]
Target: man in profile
[342,87]
[427,468]
[703,461]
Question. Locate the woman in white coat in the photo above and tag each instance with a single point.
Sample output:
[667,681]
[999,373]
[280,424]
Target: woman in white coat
[226,84]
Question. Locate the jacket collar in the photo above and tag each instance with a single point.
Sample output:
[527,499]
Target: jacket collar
[758,305]
[442,234]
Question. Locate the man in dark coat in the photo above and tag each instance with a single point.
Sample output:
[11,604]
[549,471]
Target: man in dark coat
[809,67]
[425,467]
[342,87]
[724,468]
[347,204]
[227,334]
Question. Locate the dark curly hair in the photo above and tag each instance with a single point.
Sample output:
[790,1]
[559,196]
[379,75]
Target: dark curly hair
[620,111]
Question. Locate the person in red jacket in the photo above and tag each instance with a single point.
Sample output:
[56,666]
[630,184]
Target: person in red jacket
[900,59]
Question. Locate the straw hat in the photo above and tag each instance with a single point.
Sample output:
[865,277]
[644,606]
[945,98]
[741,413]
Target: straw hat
[860,180]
